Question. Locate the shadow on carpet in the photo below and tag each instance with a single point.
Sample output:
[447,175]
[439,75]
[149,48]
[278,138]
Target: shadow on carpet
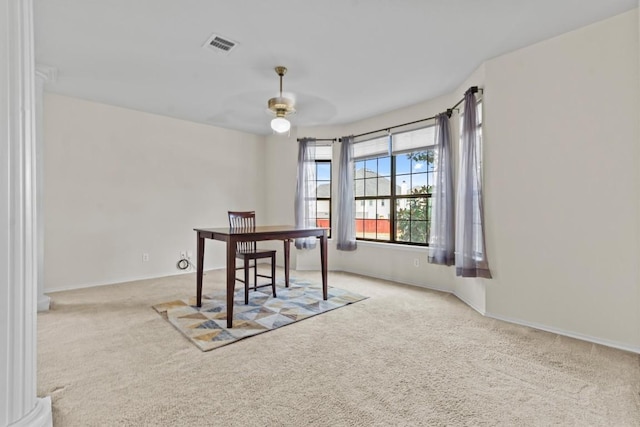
[206,326]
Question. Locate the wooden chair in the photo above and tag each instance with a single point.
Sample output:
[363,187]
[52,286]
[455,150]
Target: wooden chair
[247,251]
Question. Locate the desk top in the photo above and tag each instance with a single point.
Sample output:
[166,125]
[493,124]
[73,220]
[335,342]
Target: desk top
[265,231]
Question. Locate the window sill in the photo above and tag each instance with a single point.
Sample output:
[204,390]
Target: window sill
[392,246]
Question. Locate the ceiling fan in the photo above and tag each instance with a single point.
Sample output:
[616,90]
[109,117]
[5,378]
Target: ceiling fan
[281,107]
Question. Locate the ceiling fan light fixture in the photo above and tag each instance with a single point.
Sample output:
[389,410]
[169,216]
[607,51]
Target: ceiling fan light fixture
[281,107]
[280,125]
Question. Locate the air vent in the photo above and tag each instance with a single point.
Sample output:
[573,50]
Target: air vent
[220,44]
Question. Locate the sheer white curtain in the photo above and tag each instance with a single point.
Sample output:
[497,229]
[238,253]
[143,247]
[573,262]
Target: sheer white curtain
[305,201]
[346,230]
[442,235]
[471,254]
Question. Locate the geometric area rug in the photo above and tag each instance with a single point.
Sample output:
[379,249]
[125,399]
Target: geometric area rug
[206,326]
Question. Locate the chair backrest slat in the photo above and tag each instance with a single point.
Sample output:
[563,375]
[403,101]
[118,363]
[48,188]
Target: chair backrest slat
[243,221]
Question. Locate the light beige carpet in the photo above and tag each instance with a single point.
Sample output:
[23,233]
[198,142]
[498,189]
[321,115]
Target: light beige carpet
[405,356]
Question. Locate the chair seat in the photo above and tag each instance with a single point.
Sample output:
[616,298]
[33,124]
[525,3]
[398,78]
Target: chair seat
[255,253]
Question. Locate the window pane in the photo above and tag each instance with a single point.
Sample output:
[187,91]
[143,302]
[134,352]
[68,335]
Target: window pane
[371,187]
[419,183]
[383,229]
[323,171]
[322,209]
[403,164]
[419,231]
[369,228]
[372,219]
[323,189]
[384,166]
[359,212]
[419,209]
[403,184]
[359,209]
[382,209]
[403,231]
[360,228]
[371,165]
[359,187]
[403,213]
[419,162]
[384,186]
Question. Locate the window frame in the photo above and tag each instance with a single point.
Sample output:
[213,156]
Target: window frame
[393,197]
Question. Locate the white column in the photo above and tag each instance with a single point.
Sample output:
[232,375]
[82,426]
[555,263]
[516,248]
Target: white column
[43,75]
[19,404]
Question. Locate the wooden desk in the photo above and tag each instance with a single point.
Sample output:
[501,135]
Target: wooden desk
[271,232]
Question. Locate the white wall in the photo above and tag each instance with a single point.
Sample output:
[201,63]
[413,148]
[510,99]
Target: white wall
[561,179]
[561,188]
[120,183]
[280,183]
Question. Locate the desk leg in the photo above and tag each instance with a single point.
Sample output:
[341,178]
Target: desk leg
[323,260]
[231,279]
[200,267]
[287,253]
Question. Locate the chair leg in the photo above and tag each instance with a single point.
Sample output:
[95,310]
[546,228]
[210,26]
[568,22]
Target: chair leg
[255,274]
[273,275]
[246,281]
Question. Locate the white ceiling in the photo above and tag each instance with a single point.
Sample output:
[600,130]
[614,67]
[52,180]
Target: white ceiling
[347,59]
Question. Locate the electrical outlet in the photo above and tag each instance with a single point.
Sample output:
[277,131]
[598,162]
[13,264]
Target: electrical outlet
[416,262]
[145,257]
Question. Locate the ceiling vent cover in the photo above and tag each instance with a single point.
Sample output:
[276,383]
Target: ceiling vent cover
[220,44]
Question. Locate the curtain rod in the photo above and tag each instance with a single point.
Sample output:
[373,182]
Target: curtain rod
[320,139]
[472,89]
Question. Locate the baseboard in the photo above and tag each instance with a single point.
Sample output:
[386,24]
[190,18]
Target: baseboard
[583,337]
[44,303]
[404,282]
[128,279]
[466,301]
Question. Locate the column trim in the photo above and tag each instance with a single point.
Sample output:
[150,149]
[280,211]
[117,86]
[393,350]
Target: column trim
[19,404]
[39,416]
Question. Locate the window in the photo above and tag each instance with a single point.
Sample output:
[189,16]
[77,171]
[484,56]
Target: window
[395,175]
[323,186]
